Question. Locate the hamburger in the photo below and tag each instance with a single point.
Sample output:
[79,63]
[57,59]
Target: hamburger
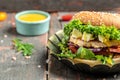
[92,36]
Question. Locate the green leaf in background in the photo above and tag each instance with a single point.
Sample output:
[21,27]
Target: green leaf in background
[25,48]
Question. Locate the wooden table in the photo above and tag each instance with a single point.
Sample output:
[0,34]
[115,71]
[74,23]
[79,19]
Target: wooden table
[41,65]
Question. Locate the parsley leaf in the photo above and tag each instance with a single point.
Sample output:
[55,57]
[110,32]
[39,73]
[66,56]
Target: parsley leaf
[25,48]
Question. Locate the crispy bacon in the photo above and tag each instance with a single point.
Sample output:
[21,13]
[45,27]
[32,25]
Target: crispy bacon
[98,51]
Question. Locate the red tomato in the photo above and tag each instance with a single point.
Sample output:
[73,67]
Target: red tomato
[117,50]
[73,49]
[66,17]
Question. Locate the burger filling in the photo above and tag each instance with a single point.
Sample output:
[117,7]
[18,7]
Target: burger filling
[86,41]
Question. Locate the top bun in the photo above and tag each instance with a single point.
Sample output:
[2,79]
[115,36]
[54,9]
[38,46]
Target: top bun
[98,18]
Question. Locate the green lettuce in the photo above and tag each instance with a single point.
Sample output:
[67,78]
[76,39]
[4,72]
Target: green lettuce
[111,31]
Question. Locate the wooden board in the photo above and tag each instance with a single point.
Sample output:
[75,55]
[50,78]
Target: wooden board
[21,68]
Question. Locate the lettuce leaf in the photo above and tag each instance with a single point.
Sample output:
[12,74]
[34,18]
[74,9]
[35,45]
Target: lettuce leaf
[111,31]
[84,53]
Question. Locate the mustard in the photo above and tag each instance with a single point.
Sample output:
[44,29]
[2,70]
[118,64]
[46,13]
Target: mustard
[32,17]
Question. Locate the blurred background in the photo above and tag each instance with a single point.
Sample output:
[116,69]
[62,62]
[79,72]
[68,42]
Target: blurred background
[60,5]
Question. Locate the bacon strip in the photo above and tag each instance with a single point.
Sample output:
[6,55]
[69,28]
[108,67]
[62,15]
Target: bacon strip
[98,51]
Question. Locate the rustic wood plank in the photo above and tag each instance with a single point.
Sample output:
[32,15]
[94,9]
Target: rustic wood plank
[21,68]
[55,68]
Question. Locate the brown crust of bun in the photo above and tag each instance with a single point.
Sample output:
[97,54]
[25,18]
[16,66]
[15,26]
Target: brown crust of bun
[98,18]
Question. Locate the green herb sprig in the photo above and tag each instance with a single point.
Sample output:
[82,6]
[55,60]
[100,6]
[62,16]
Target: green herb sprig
[25,48]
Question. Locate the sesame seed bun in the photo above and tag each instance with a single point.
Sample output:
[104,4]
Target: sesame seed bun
[98,18]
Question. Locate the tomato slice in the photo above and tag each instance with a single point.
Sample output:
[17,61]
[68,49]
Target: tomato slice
[73,49]
[67,17]
[116,50]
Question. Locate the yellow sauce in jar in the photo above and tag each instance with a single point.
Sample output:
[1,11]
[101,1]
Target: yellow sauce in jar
[32,17]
